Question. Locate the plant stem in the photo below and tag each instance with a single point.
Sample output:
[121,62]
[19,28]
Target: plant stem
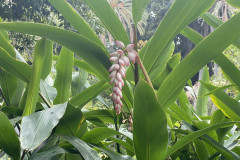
[136,74]
[23,154]
[117,136]
[144,71]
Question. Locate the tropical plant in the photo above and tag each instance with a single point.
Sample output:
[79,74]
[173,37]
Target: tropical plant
[156,121]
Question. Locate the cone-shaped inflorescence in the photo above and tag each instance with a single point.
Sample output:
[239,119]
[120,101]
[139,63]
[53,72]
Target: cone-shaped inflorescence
[120,61]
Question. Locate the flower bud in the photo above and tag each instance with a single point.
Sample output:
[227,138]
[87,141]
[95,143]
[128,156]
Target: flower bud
[113,58]
[129,48]
[120,44]
[114,54]
[126,61]
[121,62]
[132,56]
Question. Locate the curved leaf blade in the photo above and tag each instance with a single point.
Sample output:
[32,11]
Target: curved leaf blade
[138,7]
[91,52]
[109,19]
[9,141]
[64,76]
[86,151]
[150,135]
[38,126]
[205,51]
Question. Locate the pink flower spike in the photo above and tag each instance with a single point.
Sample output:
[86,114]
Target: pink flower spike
[120,104]
[118,99]
[120,86]
[116,82]
[129,48]
[126,61]
[113,58]
[120,44]
[122,83]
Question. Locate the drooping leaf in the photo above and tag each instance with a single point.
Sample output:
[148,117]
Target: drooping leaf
[112,154]
[193,62]
[38,126]
[98,134]
[75,20]
[86,151]
[194,135]
[106,116]
[8,85]
[15,67]
[88,94]
[201,106]
[48,154]
[229,106]
[91,52]
[72,123]
[38,62]
[9,141]
[109,18]
[64,76]
[150,135]
[184,103]
[138,7]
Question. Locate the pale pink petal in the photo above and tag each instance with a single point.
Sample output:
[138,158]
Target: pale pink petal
[120,44]
[112,74]
[112,80]
[114,54]
[129,47]
[121,71]
[119,77]
[117,66]
[121,62]
[113,58]
[126,60]
[120,86]
[119,51]
[132,56]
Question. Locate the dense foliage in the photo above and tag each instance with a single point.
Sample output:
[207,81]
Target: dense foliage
[61,106]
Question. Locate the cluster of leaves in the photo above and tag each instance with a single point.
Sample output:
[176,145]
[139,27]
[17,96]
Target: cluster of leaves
[40,121]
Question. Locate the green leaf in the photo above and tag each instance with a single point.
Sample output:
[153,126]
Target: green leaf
[72,123]
[79,80]
[179,15]
[88,94]
[113,155]
[64,76]
[96,135]
[234,3]
[8,85]
[201,106]
[218,89]
[138,7]
[230,70]
[48,91]
[206,50]
[75,20]
[106,116]
[38,126]
[47,66]
[171,64]
[48,154]
[91,52]
[5,43]
[15,67]
[122,143]
[201,150]
[109,18]
[184,103]
[150,135]
[194,135]
[9,142]
[12,110]
[38,62]
[229,106]
[86,151]
[180,112]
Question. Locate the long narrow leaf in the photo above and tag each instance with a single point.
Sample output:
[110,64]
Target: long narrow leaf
[109,19]
[150,135]
[64,76]
[91,52]
[206,50]
[138,7]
